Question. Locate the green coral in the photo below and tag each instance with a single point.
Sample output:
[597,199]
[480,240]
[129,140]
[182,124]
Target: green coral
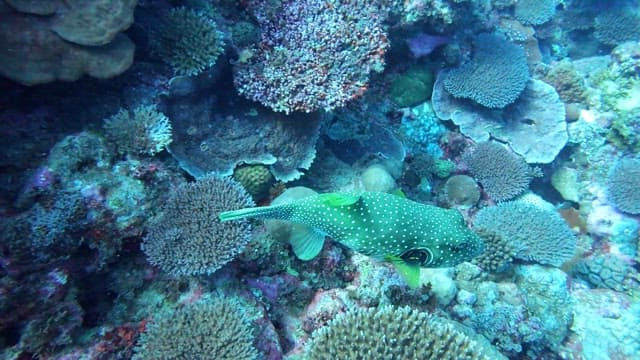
[256,179]
[215,328]
[143,131]
[393,333]
[189,41]
[413,87]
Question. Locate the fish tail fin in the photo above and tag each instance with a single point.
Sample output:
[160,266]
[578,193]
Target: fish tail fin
[263,212]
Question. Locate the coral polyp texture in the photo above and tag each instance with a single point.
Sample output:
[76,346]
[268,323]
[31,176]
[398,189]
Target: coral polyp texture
[617,25]
[313,54]
[392,333]
[188,239]
[502,174]
[535,12]
[213,328]
[495,76]
[622,185]
[145,130]
[539,234]
[188,41]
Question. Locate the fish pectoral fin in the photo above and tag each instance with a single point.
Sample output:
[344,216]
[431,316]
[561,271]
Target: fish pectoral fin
[339,199]
[410,273]
[306,241]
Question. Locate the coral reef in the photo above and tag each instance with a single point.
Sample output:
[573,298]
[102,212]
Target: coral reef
[622,187]
[207,141]
[495,76]
[538,233]
[312,56]
[538,114]
[617,25]
[213,328]
[143,131]
[460,191]
[502,174]
[256,179]
[187,238]
[187,40]
[389,332]
[535,12]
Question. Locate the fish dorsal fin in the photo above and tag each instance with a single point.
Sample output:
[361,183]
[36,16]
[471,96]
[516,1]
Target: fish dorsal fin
[398,192]
[339,199]
[410,273]
[306,241]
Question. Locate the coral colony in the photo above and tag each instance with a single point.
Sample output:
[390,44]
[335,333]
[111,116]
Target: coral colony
[319,179]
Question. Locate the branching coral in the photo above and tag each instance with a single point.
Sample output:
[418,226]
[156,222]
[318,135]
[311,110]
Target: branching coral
[188,239]
[495,77]
[189,41]
[503,174]
[313,54]
[393,333]
[535,12]
[538,233]
[143,131]
[214,328]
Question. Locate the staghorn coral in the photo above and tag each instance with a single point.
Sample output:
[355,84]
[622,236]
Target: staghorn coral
[46,41]
[622,185]
[539,234]
[188,41]
[188,239]
[503,174]
[214,328]
[393,333]
[313,55]
[496,75]
[143,131]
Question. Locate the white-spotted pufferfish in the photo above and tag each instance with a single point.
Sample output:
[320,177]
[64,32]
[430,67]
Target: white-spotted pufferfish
[387,227]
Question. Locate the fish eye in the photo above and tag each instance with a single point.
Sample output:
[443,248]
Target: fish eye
[420,256]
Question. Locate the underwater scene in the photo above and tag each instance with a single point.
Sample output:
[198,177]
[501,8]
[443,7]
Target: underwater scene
[319,179]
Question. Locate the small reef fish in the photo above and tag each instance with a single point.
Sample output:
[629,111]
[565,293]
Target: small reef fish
[387,227]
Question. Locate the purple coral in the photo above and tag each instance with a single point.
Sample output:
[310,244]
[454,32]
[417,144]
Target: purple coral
[313,55]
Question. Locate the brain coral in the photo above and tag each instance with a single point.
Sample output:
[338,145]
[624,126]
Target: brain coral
[496,75]
[393,333]
[540,234]
[622,185]
[503,174]
[312,55]
[535,12]
[188,41]
[214,328]
[188,239]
